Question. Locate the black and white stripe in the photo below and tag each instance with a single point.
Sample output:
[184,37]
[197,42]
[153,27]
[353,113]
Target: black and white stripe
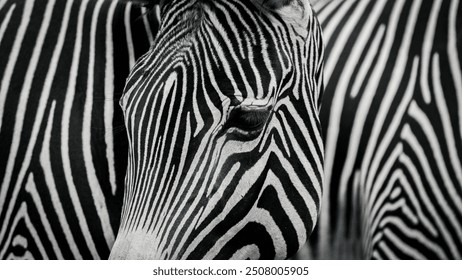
[63,66]
[225,148]
[392,111]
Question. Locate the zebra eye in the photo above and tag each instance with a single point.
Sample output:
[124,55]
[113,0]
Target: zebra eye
[248,120]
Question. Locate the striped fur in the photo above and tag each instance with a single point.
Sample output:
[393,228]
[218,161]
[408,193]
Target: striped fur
[63,66]
[393,116]
[226,156]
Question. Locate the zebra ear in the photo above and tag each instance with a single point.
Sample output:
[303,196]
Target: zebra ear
[297,12]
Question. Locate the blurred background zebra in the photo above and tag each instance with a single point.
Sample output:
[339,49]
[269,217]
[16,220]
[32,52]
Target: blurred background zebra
[392,121]
[63,66]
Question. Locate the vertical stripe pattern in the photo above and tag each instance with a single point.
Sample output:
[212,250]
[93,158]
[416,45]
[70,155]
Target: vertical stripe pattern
[392,117]
[225,146]
[63,65]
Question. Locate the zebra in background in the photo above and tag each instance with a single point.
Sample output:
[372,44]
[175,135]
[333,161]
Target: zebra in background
[392,114]
[225,149]
[63,155]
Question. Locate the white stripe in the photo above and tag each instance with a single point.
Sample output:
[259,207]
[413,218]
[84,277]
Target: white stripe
[425,124]
[427,50]
[236,33]
[218,194]
[446,119]
[129,37]
[454,61]
[157,11]
[5,21]
[373,205]
[147,26]
[170,88]
[13,57]
[204,151]
[32,189]
[251,251]
[295,219]
[416,235]
[197,113]
[360,44]
[409,136]
[375,254]
[304,156]
[379,235]
[22,214]
[333,131]
[340,14]
[45,161]
[412,196]
[262,217]
[366,100]
[345,32]
[19,122]
[192,205]
[109,98]
[373,154]
[147,166]
[2,3]
[218,28]
[21,241]
[27,256]
[389,254]
[280,127]
[65,130]
[238,193]
[6,79]
[95,187]
[401,244]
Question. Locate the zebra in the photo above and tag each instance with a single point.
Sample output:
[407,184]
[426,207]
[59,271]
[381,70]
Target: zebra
[60,202]
[225,148]
[63,66]
[392,116]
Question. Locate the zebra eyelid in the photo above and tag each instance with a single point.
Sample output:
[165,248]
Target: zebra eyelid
[248,120]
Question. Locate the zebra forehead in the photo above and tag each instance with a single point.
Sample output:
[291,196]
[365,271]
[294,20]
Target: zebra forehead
[263,4]
[296,13]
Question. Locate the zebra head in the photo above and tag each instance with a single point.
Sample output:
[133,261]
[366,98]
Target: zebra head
[225,149]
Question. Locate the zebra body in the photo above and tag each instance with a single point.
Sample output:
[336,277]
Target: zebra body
[225,150]
[63,65]
[392,114]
